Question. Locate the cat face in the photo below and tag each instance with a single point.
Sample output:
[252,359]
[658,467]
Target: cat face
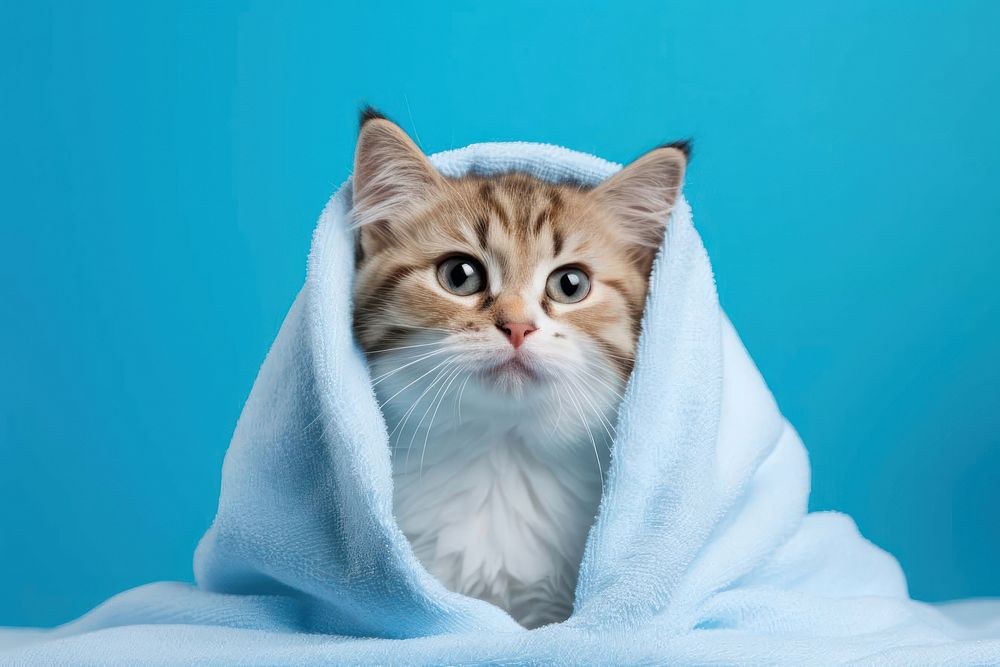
[519,293]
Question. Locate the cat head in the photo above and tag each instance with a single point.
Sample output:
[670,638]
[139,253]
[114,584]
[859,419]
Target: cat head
[527,291]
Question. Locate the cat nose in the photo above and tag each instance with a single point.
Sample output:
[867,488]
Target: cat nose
[516,332]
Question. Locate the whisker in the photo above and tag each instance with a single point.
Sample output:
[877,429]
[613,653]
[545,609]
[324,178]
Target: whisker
[430,426]
[607,350]
[608,385]
[401,424]
[558,418]
[413,436]
[419,356]
[571,395]
[409,412]
[617,356]
[407,365]
[386,401]
[405,347]
[418,327]
[458,399]
[319,414]
[378,328]
[605,422]
[561,410]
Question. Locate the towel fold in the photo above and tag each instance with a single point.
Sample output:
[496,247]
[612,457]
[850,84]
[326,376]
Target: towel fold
[703,551]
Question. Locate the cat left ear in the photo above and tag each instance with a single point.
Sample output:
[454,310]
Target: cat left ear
[391,176]
[642,194]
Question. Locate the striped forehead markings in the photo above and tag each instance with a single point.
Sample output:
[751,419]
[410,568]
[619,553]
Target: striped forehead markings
[493,205]
[557,241]
[482,231]
[540,219]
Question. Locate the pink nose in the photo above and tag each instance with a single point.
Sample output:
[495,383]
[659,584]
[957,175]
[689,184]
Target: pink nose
[516,332]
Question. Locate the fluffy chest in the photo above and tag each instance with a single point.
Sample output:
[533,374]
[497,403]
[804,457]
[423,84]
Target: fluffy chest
[494,511]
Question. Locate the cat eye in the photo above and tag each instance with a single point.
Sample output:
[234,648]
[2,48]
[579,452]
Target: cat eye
[568,285]
[461,275]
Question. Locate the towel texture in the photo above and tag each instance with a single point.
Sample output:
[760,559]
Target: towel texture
[703,551]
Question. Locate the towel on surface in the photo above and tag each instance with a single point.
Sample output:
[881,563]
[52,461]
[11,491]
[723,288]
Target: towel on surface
[703,551]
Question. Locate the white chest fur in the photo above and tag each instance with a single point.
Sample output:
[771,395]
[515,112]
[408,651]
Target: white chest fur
[496,507]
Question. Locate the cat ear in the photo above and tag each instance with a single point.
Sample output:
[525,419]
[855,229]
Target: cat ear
[642,195]
[391,176]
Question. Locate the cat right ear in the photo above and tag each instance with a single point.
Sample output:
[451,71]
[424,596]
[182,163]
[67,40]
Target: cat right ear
[391,177]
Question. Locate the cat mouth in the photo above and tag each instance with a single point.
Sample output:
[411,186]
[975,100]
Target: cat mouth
[513,367]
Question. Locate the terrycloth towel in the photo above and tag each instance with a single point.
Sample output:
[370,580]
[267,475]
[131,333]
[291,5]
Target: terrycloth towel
[703,551]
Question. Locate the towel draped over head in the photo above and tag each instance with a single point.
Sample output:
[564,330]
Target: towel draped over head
[703,551]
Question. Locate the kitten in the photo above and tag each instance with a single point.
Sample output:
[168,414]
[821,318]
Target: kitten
[499,316]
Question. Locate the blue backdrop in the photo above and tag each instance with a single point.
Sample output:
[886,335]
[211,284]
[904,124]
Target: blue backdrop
[162,165]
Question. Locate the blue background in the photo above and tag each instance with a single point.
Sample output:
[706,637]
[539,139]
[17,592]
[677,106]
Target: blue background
[162,165]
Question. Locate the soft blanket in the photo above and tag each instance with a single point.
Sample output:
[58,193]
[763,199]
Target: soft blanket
[703,551]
